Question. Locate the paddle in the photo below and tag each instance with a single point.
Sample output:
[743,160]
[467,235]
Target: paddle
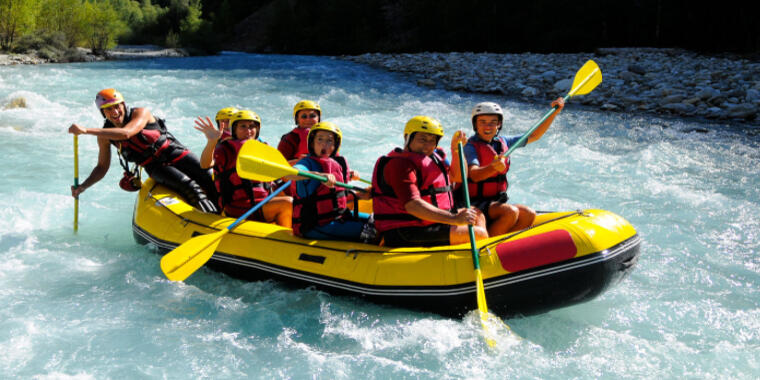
[184,260]
[76,182]
[586,79]
[480,289]
[261,162]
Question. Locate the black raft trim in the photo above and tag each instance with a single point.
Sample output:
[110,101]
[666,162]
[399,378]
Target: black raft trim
[312,258]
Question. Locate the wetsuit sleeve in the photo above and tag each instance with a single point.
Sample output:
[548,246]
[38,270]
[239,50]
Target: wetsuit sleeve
[286,148]
[308,186]
[471,155]
[512,140]
[400,175]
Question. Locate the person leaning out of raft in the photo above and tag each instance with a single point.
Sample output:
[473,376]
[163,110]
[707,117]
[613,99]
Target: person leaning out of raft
[412,191]
[487,183]
[293,145]
[320,210]
[237,195]
[143,139]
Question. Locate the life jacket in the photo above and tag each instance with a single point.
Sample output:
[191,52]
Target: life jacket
[495,185]
[324,205]
[298,140]
[432,180]
[152,144]
[236,195]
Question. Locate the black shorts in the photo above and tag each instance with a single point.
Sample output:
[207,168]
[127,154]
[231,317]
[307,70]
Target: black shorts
[427,236]
[484,204]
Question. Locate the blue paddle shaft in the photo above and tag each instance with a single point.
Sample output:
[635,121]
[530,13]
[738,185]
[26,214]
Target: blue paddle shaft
[258,206]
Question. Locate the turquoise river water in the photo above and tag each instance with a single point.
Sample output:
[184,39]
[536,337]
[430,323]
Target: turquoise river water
[95,305]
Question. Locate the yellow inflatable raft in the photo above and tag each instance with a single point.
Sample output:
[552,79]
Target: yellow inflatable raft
[564,259]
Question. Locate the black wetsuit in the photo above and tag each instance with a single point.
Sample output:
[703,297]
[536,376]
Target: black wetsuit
[169,163]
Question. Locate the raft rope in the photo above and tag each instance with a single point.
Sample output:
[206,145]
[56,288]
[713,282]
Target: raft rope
[507,237]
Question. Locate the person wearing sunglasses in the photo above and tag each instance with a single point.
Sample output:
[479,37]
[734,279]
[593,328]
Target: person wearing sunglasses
[293,145]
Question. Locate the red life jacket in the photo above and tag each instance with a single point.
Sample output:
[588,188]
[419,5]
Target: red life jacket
[432,180]
[236,195]
[495,185]
[325,204]
[297,139]
[152,143]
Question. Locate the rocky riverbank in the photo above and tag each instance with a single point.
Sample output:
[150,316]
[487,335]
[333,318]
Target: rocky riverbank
[123,52]
[657,81]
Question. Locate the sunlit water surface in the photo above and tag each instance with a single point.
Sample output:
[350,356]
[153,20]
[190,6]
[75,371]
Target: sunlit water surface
[96,305]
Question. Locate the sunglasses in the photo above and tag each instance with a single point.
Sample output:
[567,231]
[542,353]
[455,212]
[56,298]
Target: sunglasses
[309,115]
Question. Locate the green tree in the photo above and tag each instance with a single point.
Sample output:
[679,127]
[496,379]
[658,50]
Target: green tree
[102,25]
[16,17]
[66,16]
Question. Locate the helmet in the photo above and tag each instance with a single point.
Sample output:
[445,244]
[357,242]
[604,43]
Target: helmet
[306,105]
[325,126]
[243,115]
[423,124]
[225,113]
[487,108]
[107,98]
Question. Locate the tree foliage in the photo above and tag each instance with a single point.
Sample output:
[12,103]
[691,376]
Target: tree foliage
[16,18]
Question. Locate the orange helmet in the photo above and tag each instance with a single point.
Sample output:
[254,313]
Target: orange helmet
[107,98]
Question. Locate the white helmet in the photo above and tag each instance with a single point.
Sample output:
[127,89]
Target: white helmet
[487,108]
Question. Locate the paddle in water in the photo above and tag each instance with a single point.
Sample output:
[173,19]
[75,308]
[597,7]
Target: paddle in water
[184,260]
[261,162]
[586,79]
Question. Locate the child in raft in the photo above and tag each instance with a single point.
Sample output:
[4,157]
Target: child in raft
[293,145]
[487,171]
[320,209]
[237,195]
[222,118]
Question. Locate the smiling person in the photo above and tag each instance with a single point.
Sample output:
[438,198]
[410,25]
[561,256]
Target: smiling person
[488,170]
[293,145]
[412,198]
[320,210]
[143,139]
[237,195]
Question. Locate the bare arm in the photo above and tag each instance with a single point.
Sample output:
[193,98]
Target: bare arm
[456,173]
[99,171]
[560,103]
[212,137]
[140,118]
[426,211]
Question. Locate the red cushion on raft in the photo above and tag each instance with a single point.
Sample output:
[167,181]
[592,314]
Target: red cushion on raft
[535,251]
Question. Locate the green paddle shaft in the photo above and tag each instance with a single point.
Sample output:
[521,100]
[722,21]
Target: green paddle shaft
[324,179]
[463,172]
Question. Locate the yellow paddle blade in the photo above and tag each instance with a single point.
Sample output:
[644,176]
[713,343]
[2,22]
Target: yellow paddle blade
[261,162]
[184,260]
[482,307]
[586,79]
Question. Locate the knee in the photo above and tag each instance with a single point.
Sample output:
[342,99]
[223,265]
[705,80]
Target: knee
[480,232]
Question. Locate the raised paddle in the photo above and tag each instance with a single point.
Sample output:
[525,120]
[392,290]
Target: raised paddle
[184,260]
[261,162]
[586,79]
[76,182]
[480,289]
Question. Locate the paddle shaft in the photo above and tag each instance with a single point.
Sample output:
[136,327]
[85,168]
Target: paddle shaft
[546,116]
[258,206]
[463,171]
[76,182]
[323,179]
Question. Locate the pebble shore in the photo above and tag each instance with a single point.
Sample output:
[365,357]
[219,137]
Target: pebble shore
[656,81]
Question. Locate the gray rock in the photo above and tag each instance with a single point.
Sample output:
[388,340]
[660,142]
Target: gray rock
[707,93]
[743,111]
[426,82]
[19,102]
[753,95]
[563,85]
[609,107]
[671,99]
[681,108]
[637,69]
[529,92]
[629,76]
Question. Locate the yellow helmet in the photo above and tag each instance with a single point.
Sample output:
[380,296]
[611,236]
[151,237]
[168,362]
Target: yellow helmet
[243,115]
[225,113]
[306,105]
[325,126]
[423,124]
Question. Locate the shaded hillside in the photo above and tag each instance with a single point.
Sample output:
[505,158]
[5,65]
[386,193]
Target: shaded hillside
[352,27]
